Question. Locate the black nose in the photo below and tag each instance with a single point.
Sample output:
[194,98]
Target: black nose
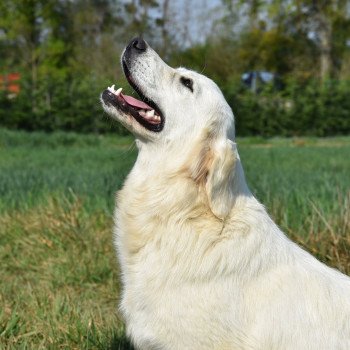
[139,44]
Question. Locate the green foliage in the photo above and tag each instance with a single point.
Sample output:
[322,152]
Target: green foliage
[68,51]
[310,109]
[59,104]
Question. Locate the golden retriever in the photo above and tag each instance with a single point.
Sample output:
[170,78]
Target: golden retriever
[203,265]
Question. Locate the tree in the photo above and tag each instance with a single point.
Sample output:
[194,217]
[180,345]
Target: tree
[308,23]
[318,18]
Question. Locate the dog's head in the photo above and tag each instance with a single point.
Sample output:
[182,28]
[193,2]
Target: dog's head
[175,103]
[179,110]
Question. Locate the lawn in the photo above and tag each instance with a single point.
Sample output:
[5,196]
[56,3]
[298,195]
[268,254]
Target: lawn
[59,275]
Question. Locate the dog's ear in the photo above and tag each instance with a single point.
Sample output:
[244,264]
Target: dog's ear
[220,178]
[215,170]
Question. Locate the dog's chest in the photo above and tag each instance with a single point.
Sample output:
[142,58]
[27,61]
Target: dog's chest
[172,315]
[157,249]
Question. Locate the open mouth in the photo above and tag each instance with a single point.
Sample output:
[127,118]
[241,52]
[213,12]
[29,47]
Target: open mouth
[144,111]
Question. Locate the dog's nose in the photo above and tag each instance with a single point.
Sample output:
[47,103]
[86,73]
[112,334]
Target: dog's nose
[139,44]
[135,48]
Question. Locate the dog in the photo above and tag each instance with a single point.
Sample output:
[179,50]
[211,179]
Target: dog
[203,266]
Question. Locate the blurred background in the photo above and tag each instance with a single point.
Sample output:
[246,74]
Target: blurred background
[284,65]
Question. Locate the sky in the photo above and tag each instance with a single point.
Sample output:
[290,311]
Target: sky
[199,16]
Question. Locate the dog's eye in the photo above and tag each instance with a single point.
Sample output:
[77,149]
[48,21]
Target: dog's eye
[187,82]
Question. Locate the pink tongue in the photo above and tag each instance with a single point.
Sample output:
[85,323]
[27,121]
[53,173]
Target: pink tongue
[135,102]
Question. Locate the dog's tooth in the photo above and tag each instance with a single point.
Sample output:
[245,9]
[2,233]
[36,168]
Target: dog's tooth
[143,113]
[150,113]
[112,87]
[118,91]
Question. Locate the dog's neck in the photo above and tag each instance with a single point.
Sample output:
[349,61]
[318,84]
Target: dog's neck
[158,193]
[155,162]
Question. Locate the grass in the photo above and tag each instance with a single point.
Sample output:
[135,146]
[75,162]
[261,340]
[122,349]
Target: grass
[59,286]
[59,277]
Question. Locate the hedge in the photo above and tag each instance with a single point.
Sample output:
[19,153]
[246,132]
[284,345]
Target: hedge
[308,109]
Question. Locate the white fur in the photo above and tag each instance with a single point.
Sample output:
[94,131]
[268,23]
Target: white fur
[203,265]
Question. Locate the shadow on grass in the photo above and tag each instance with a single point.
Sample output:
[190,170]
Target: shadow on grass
[120,342]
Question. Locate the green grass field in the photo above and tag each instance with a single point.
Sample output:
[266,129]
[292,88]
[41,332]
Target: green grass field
[59,276]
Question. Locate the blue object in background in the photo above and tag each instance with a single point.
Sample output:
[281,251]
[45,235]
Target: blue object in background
[256,79]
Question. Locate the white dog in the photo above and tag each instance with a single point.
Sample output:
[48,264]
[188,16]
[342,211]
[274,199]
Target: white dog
[203,265]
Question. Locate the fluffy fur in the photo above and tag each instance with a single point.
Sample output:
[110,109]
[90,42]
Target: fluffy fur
[203,265]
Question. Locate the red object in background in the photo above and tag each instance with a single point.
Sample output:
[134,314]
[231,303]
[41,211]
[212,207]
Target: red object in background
[14,88]
[10,83]
[13,76]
